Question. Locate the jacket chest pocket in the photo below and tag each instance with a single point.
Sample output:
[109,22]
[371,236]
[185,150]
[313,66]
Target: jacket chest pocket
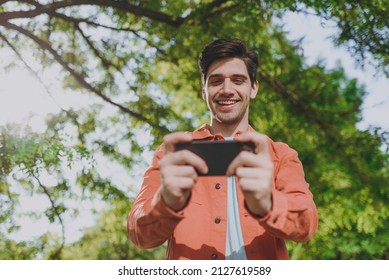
[209,190]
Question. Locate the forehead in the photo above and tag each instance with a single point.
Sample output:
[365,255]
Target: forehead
[228,67]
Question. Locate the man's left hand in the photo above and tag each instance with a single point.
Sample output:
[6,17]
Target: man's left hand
[254,172]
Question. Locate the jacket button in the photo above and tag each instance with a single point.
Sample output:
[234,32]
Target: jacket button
[217,220]
[218,186]
[214,256]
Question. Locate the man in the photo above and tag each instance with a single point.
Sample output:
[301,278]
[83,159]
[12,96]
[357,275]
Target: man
[247,214]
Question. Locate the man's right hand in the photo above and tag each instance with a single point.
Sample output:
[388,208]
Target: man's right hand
[178,171]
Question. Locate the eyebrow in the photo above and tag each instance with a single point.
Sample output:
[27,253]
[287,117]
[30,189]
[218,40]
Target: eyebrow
[242,76]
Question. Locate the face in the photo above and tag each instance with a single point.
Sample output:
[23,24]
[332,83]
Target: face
[228,91]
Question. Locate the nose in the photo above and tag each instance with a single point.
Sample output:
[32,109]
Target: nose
[228,86]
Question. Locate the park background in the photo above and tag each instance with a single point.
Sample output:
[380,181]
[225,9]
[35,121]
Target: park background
[89,88]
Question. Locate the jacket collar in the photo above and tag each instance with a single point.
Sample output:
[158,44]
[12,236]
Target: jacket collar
[204,133]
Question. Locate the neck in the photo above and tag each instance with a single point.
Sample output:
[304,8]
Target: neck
[227,130]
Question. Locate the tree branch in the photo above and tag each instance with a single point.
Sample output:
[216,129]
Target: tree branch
[120,5]
[57,212]
[96,52]
[78,77]
[332,134]
[32,71]
[77,21]
[118,29]
[223,10]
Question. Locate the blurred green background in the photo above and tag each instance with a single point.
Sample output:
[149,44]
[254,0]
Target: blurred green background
[67,183]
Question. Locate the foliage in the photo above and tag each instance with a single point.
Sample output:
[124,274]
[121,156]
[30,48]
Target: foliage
[108,239]
[360,26]
[137,62]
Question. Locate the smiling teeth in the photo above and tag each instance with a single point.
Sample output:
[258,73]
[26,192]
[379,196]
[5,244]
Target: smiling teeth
[227,102]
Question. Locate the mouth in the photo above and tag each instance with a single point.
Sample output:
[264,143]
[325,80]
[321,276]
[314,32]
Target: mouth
[226,105]
[226,102]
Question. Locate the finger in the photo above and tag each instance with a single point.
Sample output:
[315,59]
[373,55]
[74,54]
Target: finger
[189,158]
[176,185]
[186,171]
[258,177]
[248,172]
[184,157]
[248,159]
[170,140]
[248,184]
[244,158]
[176,191]
[260,141]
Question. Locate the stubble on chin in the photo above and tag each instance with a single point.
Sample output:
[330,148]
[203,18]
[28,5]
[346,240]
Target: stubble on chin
[227,118]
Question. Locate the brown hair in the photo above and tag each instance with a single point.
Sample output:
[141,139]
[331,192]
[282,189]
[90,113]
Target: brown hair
[228,48]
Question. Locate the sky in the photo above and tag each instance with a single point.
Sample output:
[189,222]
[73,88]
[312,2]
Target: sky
[375,109]
[23,98]
[22,95]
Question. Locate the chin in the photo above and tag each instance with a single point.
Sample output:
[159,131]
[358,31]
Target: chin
[227,120]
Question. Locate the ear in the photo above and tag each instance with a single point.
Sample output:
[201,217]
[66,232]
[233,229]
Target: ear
[254,90]
[203,91]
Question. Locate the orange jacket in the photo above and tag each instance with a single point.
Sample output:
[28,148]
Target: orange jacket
[199,230]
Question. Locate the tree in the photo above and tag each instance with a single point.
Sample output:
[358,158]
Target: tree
[137,61]
[95,245]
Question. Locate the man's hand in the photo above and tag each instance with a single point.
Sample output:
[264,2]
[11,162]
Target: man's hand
[254,172]
[178,171]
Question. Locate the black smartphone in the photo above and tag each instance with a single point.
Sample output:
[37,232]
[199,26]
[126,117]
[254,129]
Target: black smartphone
[217,154]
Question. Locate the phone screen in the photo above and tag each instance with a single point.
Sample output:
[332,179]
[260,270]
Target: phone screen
[217,154]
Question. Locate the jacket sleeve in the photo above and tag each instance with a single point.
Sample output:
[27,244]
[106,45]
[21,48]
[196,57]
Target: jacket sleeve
[151,222]
[293,215]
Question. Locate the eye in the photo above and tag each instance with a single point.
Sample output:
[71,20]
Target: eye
[215,82]
[238,81]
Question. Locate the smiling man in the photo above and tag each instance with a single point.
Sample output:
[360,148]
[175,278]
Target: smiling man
[262,200]
[228,90]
